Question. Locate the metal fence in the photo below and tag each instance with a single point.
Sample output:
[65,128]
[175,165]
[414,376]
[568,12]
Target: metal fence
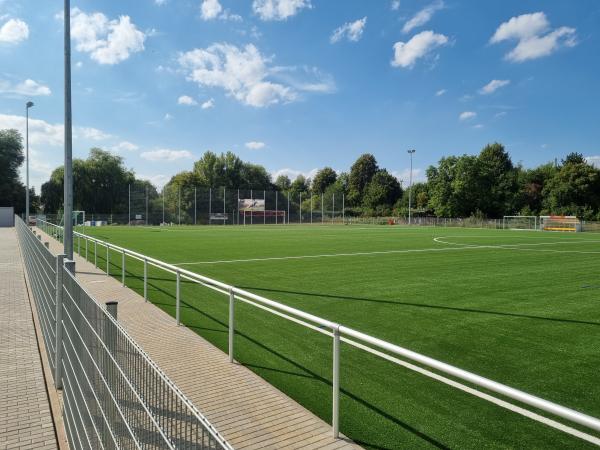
[114,395]
[339,334]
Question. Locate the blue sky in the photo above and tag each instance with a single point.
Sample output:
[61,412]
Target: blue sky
[296,85]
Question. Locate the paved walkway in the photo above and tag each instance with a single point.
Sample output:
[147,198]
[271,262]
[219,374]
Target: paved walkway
[247,411]
[25,418]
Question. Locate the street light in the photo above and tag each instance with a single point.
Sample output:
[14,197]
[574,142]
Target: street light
[27,106]
[68,177]
[411,153]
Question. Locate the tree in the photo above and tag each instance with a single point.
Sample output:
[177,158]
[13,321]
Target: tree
[300,184]
[323,179]
[382,191]
[12,191]
[361,173]
[573,190]
[498,185]
[574,158]
[283,183]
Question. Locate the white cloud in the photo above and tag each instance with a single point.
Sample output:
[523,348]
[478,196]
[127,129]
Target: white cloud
[593,160]
[293,174]
[92,134]
[350,30]
[210,9]
[14,31]
[279,9]
[406,54]
[467,115]
[167,117]
[423,16]
[208,104]
[186,100]
[107,41]
[478,126]
[242,72]
[40,131]
[79,64]
[166,154]
[440,92]
[395,5]
[160,2]
[500,114]
[418,176]
[28,88]
[493,86]
[157,180]
[125,146]
[534,37]
[255,145]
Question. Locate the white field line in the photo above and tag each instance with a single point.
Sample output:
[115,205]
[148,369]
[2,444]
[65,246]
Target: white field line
[523,247]
[440,240]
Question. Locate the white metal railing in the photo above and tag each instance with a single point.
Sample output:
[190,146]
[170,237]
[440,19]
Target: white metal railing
[115,396]
[357,339]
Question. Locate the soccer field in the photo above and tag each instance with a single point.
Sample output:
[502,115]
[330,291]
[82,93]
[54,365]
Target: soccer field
[519,307]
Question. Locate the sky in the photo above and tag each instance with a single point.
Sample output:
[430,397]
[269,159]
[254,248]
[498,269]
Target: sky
[296,85]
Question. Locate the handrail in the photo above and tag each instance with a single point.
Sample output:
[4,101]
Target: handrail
[338,331]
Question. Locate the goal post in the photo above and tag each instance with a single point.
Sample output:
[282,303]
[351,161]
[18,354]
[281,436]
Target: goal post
[560,223]
[279,215]
[520,223]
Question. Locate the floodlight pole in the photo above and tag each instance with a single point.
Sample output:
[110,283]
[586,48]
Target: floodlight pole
[411,153]
[68,175]
[27,106]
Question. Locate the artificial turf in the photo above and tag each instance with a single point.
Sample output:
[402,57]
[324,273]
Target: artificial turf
[521,308]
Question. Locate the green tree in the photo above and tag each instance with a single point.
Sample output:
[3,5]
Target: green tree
[283,183]
[361,173]
[323,179]
[12,191]
[382,192]
[497,179]
[300,184]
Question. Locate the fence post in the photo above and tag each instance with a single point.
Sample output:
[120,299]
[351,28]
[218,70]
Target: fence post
[145,279]
[123,267]
[107,260]
[335,421]
[129,206]
[322,213]
[95,254]
[86,248]
[333,208]
[276,207]
[79,245]
[343,208]
[195,205]
[231,323]
[179,203]
[58,315]
[177,299]
[300,207]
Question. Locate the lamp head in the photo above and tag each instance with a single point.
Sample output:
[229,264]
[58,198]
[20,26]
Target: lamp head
[29,105]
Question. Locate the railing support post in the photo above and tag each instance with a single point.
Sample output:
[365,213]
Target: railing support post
[123,268]
[58,315]
[231,323]
[86,248]
[145,279]
[177,299]
[335,421]
[107,261]
[95,254]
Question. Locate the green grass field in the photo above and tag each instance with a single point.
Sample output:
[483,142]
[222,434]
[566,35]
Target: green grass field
[522,308]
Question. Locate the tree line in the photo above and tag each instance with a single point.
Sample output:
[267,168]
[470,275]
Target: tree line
[488,184]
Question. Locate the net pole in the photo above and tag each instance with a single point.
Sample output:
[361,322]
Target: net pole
[333,208]
[276,208]
[224,193]
[163,204]
[146,205]
[300,208]
[209,205]
[195,206]
[288,221]
[311,208]
[129,205]
[179,207]
[322,213]
[238,206]
[265,210]
[343,208]
[251,212]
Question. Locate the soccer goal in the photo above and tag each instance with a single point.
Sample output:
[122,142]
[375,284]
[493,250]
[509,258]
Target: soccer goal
[78,218]
[520,223]
[560,223]
[259,217]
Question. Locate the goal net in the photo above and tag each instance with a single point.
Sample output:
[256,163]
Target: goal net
[259,217]
[560,223]
[520,223]
[78,218]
